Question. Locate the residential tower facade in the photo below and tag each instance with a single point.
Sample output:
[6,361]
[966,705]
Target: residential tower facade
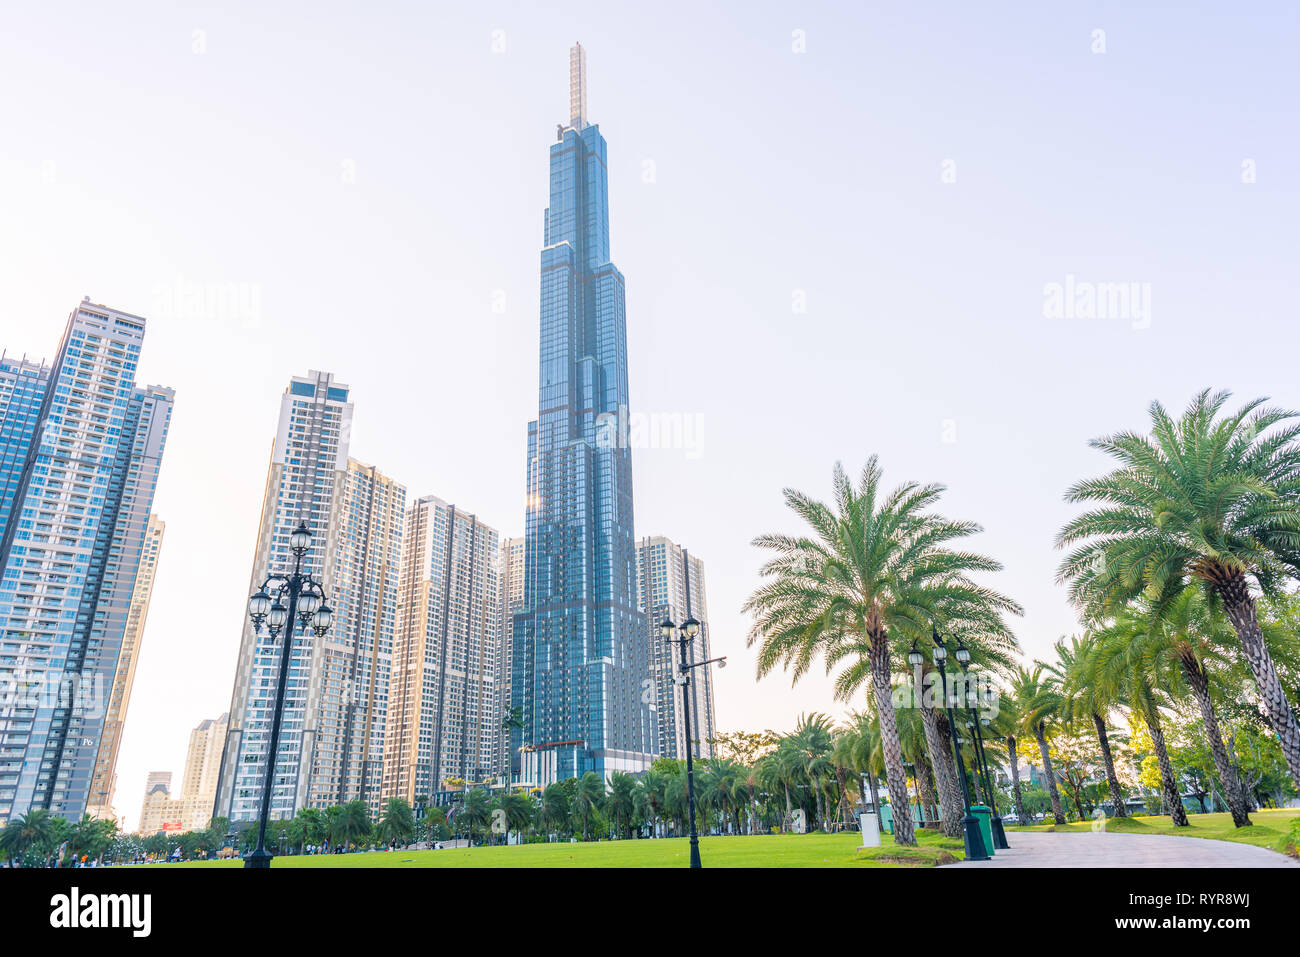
[80,447]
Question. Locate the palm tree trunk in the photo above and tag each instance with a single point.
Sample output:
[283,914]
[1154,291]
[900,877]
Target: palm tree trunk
[1247,799]
[845,814]
[1116,795]
[1240,608]
[1169,787]
[1200,685]
[1015,778]
[895,777]
[785,824]
[925,792]
[1048,774]
[941,760]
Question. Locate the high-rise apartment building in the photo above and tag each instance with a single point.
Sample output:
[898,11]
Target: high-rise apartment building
[444,720]
[104,781]
[202,768]
[80,450]
[580,654]
[304,483]
[511,603]
[672,587]
[353,660]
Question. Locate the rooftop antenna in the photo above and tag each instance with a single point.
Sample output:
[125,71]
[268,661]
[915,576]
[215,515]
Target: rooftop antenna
[577,87]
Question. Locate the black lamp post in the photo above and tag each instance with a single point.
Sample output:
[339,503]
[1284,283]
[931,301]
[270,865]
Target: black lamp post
[995,825]
[683,637]
[974,840]
[296,598]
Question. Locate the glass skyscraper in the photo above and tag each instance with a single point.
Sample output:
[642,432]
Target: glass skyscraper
[80,449]
[580,663]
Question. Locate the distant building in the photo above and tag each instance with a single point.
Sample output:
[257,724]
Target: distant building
[104,782]
[444,719]
[511,603]
[202,768]
[160,812]
[672,586]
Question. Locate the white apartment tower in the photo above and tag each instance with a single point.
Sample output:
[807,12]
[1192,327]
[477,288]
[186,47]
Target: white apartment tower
[444,718]
[304,483]
[353,660]
[511,602]
[672,586]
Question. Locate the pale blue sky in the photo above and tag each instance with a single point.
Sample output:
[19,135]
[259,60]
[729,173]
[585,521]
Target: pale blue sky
[131,164]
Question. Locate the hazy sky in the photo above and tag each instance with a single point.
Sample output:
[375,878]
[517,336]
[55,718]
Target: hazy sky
[839,231]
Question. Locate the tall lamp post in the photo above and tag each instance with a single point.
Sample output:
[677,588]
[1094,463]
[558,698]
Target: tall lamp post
[683,637]
[291,598]
[974,840]
[995,824]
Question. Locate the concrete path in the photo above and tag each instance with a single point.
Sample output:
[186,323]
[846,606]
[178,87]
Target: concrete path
[1100,849]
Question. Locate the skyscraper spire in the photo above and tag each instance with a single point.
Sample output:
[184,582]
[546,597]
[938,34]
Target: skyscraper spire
[577,87]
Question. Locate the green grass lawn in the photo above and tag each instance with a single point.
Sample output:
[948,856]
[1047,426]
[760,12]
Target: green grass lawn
[1270,827]
[773,850]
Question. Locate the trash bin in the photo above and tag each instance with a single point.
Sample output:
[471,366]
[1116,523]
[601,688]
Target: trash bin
[984,816]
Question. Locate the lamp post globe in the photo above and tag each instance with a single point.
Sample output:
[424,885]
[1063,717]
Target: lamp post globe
[259,606]
[300,538]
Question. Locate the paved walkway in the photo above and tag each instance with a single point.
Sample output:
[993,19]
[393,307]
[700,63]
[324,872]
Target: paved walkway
[1100,849]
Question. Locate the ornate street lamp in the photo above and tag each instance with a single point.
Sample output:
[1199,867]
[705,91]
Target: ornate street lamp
[285,602]
[683,637]
[974,840]
[995,825]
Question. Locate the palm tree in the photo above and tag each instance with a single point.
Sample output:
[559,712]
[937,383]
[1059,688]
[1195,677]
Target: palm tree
[588,800]
[474,812]
[554,807]
[30,832]
[1201,500]
[519,808]
[397,825]
[1183,632]
[1039,707]
[312,827]
[1082,700]
[351,824]
[91,837]
[1007,727]
[650,798]
[1125,673]
[622,801]
[876,565]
